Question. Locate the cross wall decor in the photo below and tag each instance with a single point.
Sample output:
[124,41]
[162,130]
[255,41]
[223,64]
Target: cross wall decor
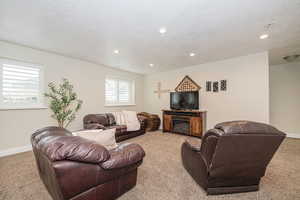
[160,91]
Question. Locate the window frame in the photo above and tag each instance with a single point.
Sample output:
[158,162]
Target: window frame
[131,93]
[41,100]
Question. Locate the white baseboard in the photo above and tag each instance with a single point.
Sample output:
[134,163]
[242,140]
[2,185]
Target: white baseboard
[293,135]
[16,150]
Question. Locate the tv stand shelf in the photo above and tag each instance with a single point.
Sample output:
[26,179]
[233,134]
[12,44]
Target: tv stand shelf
[187,122]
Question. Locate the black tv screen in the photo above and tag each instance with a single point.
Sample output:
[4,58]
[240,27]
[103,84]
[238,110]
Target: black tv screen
[184,100]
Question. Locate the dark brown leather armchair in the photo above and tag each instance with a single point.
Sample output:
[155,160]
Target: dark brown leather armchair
[74,168]
[232,157]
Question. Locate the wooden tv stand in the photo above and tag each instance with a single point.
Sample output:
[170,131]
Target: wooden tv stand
[187,122]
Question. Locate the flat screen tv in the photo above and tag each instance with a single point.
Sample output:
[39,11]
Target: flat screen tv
[184,100]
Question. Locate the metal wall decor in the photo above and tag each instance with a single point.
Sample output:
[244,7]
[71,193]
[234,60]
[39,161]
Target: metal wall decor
[223,86]
[208,86]
[216,86]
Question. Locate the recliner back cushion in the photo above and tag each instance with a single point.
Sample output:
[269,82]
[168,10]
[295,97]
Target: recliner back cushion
[243,155]
[247,127]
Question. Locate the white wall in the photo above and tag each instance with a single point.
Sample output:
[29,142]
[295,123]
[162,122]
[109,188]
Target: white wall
[285,97]
[16,126]
[247,97]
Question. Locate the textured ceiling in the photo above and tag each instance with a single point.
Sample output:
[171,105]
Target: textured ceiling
[92,29]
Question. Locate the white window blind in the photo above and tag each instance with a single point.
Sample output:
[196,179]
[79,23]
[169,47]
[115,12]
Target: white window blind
[21,85]
[119,91]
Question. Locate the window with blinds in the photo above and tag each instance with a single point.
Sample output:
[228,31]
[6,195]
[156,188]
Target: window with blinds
[119,92]
[21,85]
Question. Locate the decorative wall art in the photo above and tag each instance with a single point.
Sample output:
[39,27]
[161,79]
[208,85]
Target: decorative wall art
[216,86]
[208,86]
[160,91]
[187,85]
[223,86]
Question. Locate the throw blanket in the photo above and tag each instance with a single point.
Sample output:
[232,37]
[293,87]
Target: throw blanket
[128,118]
[119,117]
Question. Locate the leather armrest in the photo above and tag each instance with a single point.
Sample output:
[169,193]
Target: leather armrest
[74,148]
[94,126]
[209,143]
[124,155]
[193,144]
[143,120]
[192,157]
[215,132]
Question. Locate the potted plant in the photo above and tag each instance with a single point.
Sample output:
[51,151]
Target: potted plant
[63,102]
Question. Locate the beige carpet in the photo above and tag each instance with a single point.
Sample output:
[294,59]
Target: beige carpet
[161,176]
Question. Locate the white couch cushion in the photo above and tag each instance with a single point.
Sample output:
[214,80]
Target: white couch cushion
[104,137]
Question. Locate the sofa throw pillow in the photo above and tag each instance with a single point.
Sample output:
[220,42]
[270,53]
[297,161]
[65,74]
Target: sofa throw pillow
[103,137]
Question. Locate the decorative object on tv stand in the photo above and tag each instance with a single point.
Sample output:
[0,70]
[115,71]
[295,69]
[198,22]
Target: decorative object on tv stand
[187,85]
[63,102]
[208,86]
[223,85]
[216,86]
[159,91]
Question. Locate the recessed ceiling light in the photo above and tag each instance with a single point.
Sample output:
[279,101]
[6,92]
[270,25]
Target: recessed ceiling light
[263,36]
[163,30]
[116,51]
[192,54]
[151,65]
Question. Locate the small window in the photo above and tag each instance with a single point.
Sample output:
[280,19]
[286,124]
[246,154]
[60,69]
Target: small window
[21,85]
[119,92]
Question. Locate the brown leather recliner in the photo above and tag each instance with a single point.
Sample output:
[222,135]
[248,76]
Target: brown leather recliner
[75,168]
[107,121]
[232,157]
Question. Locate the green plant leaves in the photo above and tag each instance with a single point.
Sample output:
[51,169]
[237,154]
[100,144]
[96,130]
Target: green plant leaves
[63,102]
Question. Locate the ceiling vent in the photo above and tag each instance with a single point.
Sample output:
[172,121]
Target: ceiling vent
[292,58]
